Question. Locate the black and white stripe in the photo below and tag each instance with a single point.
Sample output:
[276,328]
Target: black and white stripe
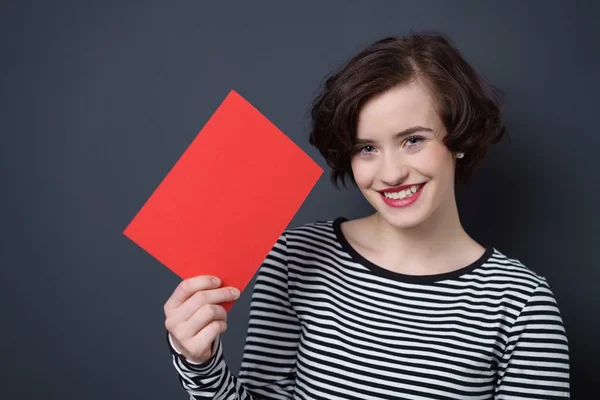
[325,323]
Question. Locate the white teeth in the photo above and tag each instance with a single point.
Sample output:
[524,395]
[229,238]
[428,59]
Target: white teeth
[403,193]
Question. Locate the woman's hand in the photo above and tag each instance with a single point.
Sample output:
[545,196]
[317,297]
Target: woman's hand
[194,317]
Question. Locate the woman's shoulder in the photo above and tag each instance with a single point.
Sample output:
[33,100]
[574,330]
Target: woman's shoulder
[322,226]
[317,232]
[501,266]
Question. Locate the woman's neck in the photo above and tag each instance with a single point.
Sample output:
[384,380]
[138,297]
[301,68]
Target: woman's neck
[435,246]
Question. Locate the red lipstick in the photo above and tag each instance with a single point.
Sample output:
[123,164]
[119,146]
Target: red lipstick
[399,188]
[407,201]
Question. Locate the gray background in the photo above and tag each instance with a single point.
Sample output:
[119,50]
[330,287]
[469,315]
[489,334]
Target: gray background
[100,99]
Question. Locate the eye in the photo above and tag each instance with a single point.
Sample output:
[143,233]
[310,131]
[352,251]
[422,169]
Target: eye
[414,140]
[361,148]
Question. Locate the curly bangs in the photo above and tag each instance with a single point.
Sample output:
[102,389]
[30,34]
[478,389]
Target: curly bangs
[467,104]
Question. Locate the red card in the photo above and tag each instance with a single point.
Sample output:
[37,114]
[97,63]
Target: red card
[225,202]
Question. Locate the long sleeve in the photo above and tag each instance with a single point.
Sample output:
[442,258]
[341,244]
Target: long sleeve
[269,360]
[535,363]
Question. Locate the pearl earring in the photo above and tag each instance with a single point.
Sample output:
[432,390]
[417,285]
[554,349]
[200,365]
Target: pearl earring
[460,155]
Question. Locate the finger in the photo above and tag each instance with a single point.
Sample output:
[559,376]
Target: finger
[205,338]
[188,287]
[184,312]
[199,299]
[201,319]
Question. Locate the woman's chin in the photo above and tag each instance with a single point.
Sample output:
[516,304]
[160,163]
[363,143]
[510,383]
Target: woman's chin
[403,222]
[404,218]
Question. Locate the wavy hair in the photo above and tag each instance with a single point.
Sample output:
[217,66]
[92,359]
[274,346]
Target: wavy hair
[468,105]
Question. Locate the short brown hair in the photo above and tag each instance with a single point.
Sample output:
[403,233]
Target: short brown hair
[467,104]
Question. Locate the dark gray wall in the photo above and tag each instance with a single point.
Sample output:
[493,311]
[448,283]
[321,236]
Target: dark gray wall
[99,100]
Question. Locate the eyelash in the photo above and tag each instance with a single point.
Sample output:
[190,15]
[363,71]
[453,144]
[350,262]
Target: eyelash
[359,149]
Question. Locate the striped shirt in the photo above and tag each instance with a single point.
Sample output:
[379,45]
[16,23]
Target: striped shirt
[326,323]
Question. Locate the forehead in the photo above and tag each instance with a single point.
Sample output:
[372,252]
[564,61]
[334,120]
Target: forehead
[397,109]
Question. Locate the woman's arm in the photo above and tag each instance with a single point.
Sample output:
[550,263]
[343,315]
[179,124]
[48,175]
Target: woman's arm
[269,360]
[535,363]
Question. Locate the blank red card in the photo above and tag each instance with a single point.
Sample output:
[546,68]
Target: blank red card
[225,202]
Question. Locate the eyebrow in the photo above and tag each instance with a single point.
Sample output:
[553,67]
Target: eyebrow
[398,135]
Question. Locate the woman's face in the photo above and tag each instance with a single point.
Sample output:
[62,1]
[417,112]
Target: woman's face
[383,160]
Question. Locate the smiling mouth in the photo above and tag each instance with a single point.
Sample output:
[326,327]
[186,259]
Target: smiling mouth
[405,193]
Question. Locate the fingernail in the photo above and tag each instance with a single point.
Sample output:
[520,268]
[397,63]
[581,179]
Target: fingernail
[235,292]
[216,280]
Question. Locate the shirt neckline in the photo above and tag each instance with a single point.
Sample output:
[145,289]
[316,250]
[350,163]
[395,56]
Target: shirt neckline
[386,273]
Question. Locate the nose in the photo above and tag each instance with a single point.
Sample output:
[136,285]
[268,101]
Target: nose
[393,170]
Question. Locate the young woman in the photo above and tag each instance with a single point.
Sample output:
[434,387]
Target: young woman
[403,303]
